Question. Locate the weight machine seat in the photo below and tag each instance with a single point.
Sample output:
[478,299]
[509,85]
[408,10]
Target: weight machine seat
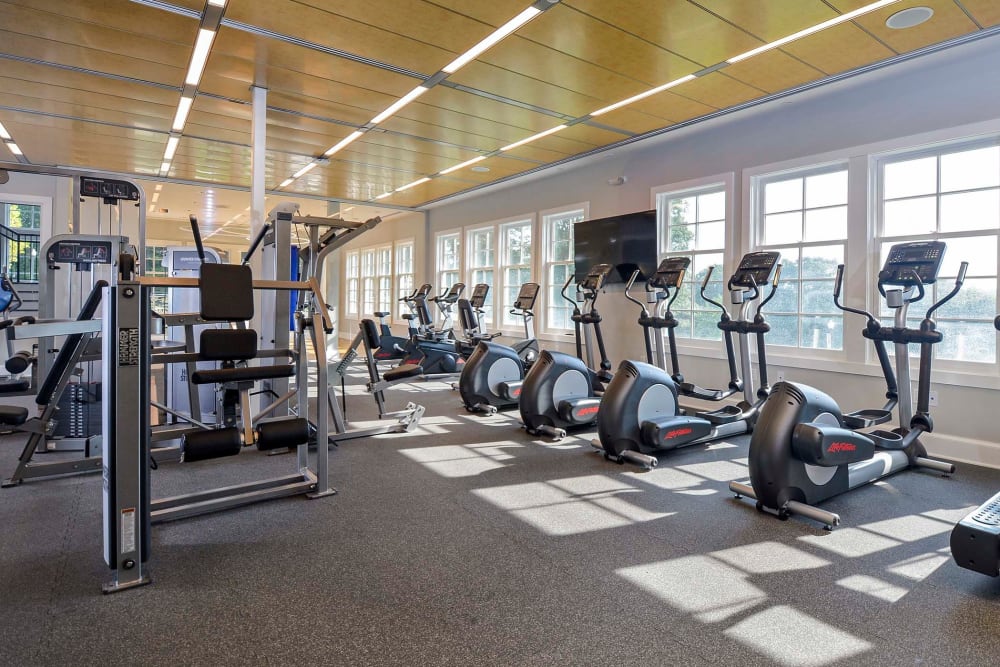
[13,416]
[382,313]
[13,386]
[247,374]
[403,372]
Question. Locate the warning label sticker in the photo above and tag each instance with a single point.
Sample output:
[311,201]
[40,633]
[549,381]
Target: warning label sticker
[128,530]
[128,347]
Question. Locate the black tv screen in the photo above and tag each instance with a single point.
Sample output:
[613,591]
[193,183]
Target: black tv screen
[627,242]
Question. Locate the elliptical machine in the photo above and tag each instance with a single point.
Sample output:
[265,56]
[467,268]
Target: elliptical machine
[562,391]
[805,450]
[975,540]
[640,415]
[493,374]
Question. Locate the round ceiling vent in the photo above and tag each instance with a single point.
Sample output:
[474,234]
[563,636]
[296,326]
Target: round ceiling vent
[908,18]
[480,169]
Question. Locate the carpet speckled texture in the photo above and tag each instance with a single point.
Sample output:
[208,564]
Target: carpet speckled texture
[469,542]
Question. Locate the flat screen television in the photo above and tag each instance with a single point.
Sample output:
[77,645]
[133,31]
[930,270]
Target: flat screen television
[627,242]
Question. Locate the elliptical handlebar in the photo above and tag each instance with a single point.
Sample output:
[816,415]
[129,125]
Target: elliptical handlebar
[197,237]
[253,246]
[628,286]
[774,289]
[569,281]
[838,284]
[704,286]
[959,280]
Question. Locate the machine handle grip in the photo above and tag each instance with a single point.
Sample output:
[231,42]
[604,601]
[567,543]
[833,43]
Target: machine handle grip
[963,267]
[569,281]
[919,284]
[704,285]
[256,242]
[197,237]
[708,276]
[838,282]
[628,286]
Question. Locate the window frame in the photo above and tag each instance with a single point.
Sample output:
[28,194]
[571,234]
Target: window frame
[469,267]
[439,239]
[545,262]
[528,221]
[757,184]
[877,163]
[731,250]
[43,231]
[400,308]
[355,289]
[366,308]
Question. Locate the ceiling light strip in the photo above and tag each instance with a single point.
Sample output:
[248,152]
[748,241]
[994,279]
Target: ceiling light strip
[399,104]
[640,96]
[4,134]
[465,164]
[413,184]
[494,37]
[343,143]
[14,148]
[816,28]
[199,57]
[551,130]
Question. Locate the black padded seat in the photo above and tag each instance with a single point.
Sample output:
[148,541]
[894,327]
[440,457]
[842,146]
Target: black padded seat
[13,416]
[249,374]
[13,385]
[382,313]
[403,372]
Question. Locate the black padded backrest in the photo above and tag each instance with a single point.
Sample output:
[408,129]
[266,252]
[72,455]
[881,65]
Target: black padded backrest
[466,315]
[69,346]
[423,315]
[227,344]
[370,332]
[226,292]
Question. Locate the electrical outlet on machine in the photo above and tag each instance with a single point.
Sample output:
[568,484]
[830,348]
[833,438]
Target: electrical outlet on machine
[933,399]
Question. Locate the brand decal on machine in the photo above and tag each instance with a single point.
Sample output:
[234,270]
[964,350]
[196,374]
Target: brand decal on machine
[676,433]
[516,392]
[583,412]
[128,347]
[841,447]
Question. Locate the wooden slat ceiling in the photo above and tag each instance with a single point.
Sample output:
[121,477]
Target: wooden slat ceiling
[95,83]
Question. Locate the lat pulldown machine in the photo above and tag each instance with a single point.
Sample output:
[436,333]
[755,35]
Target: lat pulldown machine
[226,294]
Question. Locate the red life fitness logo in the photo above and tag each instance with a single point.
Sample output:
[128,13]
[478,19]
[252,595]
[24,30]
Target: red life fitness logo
[516,392]
[841,447]
[585,412]
[676,433]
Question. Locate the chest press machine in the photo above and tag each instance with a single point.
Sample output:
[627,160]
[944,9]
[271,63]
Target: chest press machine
[226,295]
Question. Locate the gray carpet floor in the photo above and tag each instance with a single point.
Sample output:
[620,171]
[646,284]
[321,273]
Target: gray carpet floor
[469,542]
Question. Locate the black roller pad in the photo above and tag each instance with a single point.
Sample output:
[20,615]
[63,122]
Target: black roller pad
[204,445]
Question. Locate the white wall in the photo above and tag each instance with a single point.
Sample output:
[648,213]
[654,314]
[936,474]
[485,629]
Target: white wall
[942,94]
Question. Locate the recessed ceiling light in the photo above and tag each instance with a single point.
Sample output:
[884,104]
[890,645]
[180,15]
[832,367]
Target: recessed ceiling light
[908,18]
[480,168]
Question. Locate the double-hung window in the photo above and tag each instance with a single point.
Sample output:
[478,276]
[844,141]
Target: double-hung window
[803,215]
[557,228]
[482,264]
[383,272]
[949,194]
[448,259]
[404,275]
[19,242]
[692,224]
[352,276]
[368,282]
[515,264]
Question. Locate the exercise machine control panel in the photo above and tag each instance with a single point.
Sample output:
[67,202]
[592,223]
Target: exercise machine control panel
[479,293]
[756,268]
[453,293]
[526,297]
[596,277]
[670,273]
[904,259]
[108,188]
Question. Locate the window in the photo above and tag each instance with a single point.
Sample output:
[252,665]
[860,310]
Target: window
[352,273]
[515,264]
[383,271]
[559,266]
[19,240]
[803,215]
[404,275]
[692,224]
[155,265]
[447,259]
[482,265]
[951,194]
[368,282]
